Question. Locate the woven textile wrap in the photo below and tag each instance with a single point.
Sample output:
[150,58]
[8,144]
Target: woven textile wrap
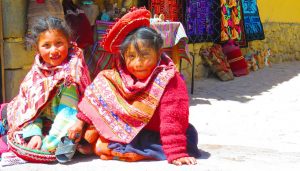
[232,24]
[134,19]
[120,106]
[39,85]
[253,27]
[235,58]
[216,60]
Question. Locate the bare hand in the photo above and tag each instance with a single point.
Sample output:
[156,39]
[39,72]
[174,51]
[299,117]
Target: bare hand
[75,131]
[185,160]
[35,142]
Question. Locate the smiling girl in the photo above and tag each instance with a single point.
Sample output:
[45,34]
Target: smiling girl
[46,106]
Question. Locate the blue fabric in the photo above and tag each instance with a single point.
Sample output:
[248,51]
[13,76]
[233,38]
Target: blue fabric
[147,143]
[2,129]
[33,129]
[252,23]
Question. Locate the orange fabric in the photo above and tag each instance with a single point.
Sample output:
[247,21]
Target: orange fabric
[91,135]
[100,148]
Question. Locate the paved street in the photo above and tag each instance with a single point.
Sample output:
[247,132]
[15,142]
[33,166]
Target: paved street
[250,123]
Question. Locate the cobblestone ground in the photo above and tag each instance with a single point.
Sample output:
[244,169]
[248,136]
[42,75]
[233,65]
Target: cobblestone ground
[250,123]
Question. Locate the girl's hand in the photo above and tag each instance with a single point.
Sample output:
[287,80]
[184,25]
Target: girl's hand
[75,131]
[35,142]
[185,160]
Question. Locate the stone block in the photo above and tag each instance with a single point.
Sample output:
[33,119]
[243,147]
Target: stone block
[297,56]
[14,18]
[13,80]
[15,54]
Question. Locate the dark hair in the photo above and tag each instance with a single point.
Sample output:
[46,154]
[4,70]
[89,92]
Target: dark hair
[48,23]
[147,35]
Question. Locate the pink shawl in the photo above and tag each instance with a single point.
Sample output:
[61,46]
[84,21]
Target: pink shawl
[40,84]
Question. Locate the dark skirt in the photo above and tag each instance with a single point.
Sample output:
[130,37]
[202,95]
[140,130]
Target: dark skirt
[148,144]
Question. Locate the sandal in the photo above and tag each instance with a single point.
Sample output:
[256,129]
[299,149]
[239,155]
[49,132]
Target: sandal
[65,150]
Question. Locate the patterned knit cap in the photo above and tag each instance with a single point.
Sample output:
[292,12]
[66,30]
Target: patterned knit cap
[134,19]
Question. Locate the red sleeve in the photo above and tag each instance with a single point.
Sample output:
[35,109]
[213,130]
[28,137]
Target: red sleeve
[174,113]
[84,118]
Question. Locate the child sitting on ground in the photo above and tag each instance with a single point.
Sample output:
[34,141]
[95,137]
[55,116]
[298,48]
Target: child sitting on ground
[46,106]
[139,109]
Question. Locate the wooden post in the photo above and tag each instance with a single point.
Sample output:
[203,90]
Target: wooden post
[175,57]
[1,52]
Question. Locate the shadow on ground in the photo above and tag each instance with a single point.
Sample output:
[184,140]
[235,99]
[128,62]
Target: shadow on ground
[241,89]
[80,158]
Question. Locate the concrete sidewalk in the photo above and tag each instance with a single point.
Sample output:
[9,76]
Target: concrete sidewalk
[250,123]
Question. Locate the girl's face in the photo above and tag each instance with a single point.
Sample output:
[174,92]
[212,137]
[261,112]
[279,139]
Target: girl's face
[141,64]
[53,46]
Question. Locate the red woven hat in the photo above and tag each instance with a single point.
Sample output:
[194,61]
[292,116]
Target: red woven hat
[132,20]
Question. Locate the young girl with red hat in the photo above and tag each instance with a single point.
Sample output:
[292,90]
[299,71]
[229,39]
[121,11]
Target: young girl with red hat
[139,109]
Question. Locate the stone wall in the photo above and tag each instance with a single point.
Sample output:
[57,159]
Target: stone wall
[16,58]
[282,38]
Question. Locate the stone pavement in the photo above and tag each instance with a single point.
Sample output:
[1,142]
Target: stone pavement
[250,123]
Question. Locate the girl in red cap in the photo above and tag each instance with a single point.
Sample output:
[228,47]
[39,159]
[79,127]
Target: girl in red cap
[138,109]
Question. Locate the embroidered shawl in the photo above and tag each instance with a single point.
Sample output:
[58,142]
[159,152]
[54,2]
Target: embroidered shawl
[120,106]
[40,84]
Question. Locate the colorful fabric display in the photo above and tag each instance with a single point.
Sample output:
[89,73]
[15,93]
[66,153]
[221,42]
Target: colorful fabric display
[253,27]
[169,8]
[202,20]
[232,24]
[235,58]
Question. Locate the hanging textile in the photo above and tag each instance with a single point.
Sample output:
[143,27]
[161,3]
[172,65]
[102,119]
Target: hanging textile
[253,27]
[232,24]
[169,8]
[202,20]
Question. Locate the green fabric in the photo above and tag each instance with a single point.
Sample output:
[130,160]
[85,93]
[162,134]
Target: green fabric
[33,129]
[62,111]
